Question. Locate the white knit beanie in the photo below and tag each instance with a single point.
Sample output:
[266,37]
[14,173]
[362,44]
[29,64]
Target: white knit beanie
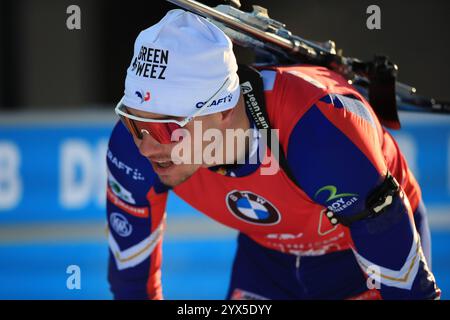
[178,64]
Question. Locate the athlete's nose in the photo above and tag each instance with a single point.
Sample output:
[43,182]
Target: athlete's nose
[149,147]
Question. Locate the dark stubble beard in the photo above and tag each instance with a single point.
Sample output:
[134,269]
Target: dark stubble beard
[175,180]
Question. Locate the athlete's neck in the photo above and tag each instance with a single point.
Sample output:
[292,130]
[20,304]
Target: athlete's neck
[239,124]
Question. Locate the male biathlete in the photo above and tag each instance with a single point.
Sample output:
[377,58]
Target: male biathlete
[326,207]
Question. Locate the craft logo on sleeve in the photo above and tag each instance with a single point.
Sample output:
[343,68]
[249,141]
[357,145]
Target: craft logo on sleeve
[151,63]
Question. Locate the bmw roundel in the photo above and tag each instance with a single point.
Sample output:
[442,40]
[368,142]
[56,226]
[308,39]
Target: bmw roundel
[252,208]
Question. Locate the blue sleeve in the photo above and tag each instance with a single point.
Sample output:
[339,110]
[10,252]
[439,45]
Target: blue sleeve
[337,174]
[134,222]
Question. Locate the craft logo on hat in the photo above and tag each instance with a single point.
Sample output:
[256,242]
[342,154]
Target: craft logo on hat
[227,98]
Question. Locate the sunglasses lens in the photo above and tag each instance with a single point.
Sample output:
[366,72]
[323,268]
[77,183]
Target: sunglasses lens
[161,132]
[157,130]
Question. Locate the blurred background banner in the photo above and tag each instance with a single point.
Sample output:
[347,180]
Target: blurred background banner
[52,171]
[58,88]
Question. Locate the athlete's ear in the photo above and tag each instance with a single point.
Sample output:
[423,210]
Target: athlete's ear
[227,115]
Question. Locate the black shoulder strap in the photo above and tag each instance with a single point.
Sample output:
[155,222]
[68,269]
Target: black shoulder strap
[253,91]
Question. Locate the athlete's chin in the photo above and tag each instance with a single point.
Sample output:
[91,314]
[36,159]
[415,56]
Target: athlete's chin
[171,181]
